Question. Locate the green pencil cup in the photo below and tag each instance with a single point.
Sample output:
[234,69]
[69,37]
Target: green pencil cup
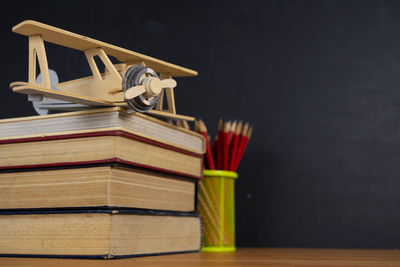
[216,204]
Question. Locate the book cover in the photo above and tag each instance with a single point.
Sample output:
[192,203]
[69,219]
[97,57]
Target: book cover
[96,186]
[102,234]
[100,120]
[97,148]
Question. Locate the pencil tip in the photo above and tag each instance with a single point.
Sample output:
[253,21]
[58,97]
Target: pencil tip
[245,128]
[233,126]
[220,122]
[250,132]
[202,126]
[227,127]
[186,125]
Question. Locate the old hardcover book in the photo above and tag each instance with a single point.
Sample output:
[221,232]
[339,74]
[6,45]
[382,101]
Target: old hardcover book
[95,148]
[103,234]
[100,120]
[107,186]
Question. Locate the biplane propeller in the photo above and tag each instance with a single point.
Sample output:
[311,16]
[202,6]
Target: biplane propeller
[139,82]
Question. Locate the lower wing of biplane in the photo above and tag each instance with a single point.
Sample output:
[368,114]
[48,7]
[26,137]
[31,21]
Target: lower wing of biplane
[139,82]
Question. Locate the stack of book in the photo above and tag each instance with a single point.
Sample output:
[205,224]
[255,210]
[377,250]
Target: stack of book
[101,183]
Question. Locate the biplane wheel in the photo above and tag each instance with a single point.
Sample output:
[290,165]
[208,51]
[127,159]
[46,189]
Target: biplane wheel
[45,105]
[53,80]
[134,76]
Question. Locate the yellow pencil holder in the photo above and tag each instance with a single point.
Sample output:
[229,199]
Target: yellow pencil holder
[216,204]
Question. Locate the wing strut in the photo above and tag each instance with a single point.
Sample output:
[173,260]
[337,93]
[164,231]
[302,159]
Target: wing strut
[37,51]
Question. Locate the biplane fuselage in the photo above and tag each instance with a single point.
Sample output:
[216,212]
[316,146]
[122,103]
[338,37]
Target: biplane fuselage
[100,89]
[88,86]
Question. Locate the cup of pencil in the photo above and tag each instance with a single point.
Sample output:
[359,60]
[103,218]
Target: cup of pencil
[216,192]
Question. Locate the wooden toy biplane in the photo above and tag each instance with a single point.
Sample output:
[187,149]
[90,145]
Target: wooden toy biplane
[138,81]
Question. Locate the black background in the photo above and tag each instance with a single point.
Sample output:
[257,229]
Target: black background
[319,80]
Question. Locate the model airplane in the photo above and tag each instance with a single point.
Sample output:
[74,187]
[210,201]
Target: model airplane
[139,82]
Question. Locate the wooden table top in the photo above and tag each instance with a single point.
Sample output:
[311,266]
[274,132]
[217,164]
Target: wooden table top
[242,257]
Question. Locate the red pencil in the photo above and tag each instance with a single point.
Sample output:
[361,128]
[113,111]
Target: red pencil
[214,148]
[231,133]
[209,156]
[234,146]
[242,147]
[219,145]
[225,147]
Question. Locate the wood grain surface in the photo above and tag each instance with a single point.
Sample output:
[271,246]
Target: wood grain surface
[242,257]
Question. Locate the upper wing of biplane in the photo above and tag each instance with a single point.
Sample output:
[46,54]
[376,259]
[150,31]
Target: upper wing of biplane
[75,41]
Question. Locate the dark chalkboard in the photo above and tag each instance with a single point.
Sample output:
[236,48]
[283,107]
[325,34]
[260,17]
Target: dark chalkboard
[319,80]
